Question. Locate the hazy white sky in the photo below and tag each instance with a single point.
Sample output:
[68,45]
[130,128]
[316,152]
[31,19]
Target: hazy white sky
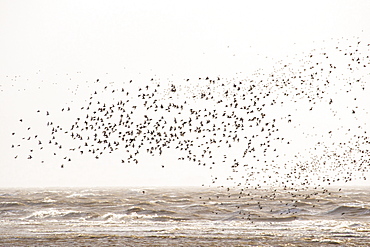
[164,36]
[69,42]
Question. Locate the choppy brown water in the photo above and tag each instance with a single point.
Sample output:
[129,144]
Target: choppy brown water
[184,216]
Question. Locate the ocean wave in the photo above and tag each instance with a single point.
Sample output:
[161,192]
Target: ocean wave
[160,212]
[81,215]
[11,204]
[168,218]
[81,195]
[48,200]
[140,210]
[113,217]
[123,216]
[51,213]
[6,195]
[352,211]
[134,210]
[179,200]
[303,204]
[153,202]
[144,204]
[197,206]
[291,211]
[259,218]
[276,219]
[152,215]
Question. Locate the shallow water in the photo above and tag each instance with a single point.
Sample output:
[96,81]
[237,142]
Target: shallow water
[184,216]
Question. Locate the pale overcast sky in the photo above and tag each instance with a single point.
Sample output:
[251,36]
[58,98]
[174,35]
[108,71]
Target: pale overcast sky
[64,43]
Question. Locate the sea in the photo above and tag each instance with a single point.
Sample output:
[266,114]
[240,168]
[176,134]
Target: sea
[185,216]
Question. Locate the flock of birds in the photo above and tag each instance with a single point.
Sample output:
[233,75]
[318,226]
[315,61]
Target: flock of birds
[252,125]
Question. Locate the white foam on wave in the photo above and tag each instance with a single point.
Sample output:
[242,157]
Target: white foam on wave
[131,216]
[5,204]
[80,195]
[355,204]
[50,213]
[47,199]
